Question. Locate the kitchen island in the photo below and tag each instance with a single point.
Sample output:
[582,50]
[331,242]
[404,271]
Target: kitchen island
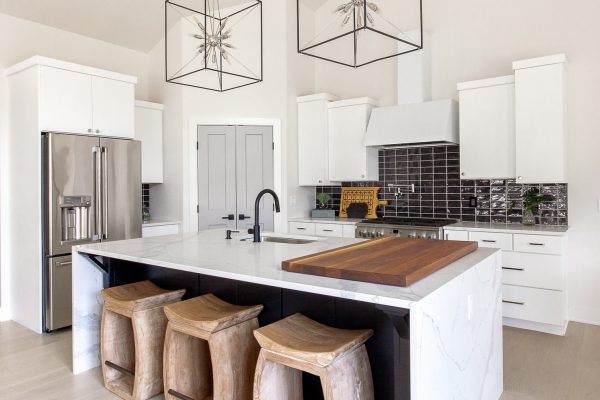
[439,338]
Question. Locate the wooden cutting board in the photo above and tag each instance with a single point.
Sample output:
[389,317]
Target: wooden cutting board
[388,261]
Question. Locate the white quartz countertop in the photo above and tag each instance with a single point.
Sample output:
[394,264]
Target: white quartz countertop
[156,222]
[208,253]
[509,228]
[336,220]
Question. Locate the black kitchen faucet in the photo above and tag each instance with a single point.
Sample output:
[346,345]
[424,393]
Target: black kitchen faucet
[256,230]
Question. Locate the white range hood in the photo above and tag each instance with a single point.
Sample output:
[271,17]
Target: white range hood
[416,119]
[431,122]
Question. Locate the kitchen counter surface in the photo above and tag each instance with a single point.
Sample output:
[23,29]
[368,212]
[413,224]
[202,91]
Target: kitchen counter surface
[509,228]
[336,220]
[155,222]
[208,253]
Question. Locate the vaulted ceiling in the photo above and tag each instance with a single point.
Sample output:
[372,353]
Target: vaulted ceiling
[135,24]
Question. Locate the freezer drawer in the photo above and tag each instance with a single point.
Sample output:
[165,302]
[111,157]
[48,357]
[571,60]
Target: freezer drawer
[58,302]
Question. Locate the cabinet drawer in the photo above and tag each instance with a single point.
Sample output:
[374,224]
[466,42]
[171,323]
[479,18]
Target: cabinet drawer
[160,230]
[538,244]
[333,230]
[456,235]
[534,270]
[494,240]
[536,305]
[302,228]
[349,231]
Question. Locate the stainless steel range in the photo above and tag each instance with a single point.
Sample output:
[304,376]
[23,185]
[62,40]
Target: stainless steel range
[421,228]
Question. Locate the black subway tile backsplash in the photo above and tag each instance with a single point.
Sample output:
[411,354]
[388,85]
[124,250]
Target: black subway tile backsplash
[440,193]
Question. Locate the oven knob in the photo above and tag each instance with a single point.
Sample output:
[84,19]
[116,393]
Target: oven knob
[433,236]
[412,235]
[379,234]
[423,236]
[362,234]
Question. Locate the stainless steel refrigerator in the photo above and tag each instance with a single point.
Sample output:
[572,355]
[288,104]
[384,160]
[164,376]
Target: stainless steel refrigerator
[92,192]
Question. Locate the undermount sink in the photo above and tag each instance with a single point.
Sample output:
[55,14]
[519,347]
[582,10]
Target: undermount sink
[286,239]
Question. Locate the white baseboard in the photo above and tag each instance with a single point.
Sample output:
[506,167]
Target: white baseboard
[536,326]
[4,314]
[586,321]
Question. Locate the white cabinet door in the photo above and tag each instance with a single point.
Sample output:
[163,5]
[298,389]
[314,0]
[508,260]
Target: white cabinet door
[302,228]
[349,158]
[114,107]
[313,155]
[65,101]
[540,121]
[487,129]
[160,230]
[456,235]
[149,130]
[349,231]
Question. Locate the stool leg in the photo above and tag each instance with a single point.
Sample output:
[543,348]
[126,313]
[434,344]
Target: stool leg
[276,381]
[117,347]
[186,365]
[349,378]
[234,352]
[149,328]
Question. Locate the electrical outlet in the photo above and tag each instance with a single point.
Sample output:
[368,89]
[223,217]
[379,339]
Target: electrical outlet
[473,202]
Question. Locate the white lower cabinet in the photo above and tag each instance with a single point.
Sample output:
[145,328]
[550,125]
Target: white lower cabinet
[533,277]
[326,229]
[160,230]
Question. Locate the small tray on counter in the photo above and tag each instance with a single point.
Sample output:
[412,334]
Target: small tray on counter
[388,261]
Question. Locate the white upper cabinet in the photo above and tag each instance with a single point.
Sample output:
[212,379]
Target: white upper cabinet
[78,99]
[349,159]
[149,130]
[114,107]
[541,119]
[65,101]
[313,140]
[487,128]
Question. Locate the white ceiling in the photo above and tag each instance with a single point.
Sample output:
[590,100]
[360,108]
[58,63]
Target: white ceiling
[135,24]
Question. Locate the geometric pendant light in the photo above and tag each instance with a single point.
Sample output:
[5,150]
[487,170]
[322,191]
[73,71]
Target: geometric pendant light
[356,33]
[213,48]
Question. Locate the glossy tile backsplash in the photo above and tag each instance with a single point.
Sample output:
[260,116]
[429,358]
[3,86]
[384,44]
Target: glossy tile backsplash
[440,193]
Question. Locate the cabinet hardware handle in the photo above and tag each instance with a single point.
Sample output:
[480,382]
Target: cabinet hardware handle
[97,130]
[513,302]
[90,130]
[462,174]
[327,230]
[536,244]
[488,241]
[514,269]
[301,229]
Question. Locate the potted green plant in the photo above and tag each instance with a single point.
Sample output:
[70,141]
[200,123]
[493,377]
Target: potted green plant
[323,210]
[531,204]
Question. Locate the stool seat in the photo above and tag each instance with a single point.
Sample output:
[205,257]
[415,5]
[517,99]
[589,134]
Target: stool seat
[209,313]
[304,339]
[140,296]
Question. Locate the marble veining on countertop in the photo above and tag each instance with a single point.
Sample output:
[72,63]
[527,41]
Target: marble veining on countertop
[336,220]
[208,253]
[550,230]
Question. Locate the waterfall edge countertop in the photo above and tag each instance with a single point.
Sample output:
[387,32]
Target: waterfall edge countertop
[208,253]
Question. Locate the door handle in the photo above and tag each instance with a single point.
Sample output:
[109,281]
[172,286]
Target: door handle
[243,217]
[105,193]
[230,217]
[64,263]
[96,152]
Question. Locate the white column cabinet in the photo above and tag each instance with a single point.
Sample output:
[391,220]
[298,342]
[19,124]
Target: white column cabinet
[349,158]
[149,130]
[487,128]
[113,107]
[313,140]
[541,119]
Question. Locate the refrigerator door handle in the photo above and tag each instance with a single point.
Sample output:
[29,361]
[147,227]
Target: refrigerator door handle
[97,154]
[104,193]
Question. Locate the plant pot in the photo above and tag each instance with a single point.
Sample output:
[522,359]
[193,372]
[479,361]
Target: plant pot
[528,217]
[322,213]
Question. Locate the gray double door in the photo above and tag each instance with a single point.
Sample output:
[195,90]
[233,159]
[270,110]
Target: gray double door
[234,164]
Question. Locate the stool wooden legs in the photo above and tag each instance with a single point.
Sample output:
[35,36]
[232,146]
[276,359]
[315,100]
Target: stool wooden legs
[190,354]
[133,348]
[280,377]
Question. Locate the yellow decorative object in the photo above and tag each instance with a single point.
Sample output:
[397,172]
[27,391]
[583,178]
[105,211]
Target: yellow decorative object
[368,195]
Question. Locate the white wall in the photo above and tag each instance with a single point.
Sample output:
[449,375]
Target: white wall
[21,39]
[475,40]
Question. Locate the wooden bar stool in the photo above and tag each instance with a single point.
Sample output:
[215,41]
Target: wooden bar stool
[210,352]
[337,356]
[132,336]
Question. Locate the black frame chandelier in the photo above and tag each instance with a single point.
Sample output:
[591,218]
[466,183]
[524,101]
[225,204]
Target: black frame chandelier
[211,48]
[355,33]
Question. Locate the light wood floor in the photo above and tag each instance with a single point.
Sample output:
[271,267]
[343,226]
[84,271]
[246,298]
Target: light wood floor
[536,366]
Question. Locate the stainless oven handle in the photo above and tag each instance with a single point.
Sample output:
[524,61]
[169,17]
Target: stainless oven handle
[96,152]
[104,193]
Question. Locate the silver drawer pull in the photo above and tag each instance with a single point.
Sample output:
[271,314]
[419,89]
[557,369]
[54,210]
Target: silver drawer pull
[488,241]
[327,230]
[514,269]
[301,229]
[513,302]
[537,244]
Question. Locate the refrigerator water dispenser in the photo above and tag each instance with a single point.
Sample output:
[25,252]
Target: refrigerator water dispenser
[75,212]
